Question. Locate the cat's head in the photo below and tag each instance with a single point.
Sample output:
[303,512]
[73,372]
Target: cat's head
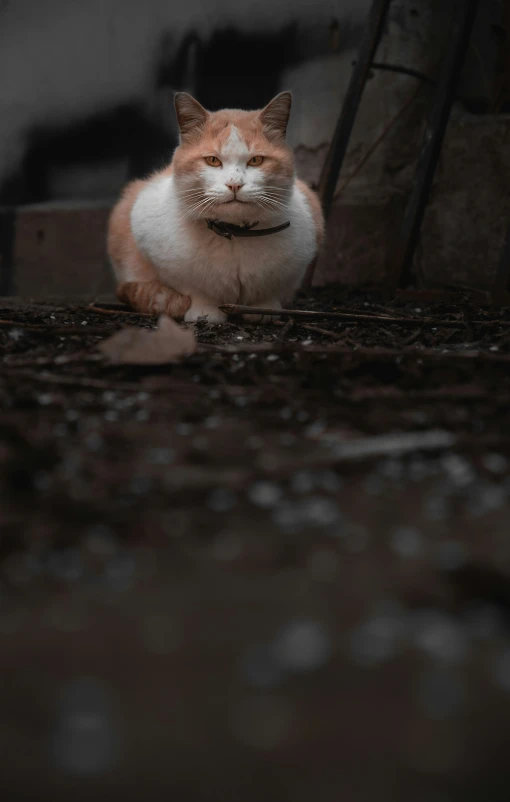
[233,165]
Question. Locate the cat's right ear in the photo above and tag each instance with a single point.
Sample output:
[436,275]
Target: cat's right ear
[191,116]
[275,116]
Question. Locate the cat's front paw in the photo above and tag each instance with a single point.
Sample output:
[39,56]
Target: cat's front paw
[209,312]
[153,298]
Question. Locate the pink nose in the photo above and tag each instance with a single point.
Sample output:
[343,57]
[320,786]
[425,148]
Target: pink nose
[234,187]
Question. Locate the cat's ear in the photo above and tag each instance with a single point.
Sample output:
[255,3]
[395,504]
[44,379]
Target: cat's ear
[191,116]
[275,116]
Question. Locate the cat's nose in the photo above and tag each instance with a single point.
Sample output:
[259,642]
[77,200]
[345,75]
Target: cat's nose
[234,187]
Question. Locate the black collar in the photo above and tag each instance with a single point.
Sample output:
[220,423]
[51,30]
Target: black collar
[229,230]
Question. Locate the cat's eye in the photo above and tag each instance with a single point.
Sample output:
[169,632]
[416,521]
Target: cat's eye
[255,161]
[213,161]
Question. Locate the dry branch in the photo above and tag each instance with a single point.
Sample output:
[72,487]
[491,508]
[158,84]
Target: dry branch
[103,310]
[351,317]
[52,329]
[380,354]
[333,335]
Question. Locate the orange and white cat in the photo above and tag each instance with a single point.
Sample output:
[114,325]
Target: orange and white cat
[232,173]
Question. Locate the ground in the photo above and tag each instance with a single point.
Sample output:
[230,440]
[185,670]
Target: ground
[278,570]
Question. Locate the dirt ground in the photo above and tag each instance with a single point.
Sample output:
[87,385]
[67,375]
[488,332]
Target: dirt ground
[279,570]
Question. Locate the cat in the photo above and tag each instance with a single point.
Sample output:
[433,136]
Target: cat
[186,240]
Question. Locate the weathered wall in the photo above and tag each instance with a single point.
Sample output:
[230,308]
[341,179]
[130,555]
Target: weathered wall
[470,206]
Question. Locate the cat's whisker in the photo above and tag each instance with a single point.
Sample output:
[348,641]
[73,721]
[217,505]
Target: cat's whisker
[199,208]
[266,203]
[187,196]
[194,199]
[274,196]
[181,191]
[197,196]
[272,203]
[211,205]
[275,201]
[282,195]
[274,192]
[265,206]
[191,209]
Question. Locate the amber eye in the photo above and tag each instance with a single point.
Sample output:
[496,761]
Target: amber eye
[255,161]
[213,161]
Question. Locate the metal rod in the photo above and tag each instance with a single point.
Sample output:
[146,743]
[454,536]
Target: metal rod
[337,150]
[501,286]
[400,258]
[7,234]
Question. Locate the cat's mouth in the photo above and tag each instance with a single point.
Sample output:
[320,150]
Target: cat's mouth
[234,200]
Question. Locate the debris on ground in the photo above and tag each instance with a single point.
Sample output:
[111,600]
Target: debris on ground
[283,559]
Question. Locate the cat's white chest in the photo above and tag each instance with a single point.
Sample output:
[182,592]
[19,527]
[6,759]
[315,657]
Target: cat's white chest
[194,260]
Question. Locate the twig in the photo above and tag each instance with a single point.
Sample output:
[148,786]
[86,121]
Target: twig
[115,384]
[393,444]
[286,327]
[51,329]
[55,330]
[351,317]
[412,338]
[359,353]
[325,332]
[62,359]
[101,310]
[380,446]
[393,395]
[70,381]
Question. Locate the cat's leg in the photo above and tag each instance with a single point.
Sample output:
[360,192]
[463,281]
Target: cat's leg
[153,298]
[204,307]
[272,303]
[139,284]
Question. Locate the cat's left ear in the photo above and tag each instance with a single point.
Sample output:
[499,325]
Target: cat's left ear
[275,116]
[191,116]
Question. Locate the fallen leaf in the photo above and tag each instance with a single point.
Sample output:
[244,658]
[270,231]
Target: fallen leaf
[133,346]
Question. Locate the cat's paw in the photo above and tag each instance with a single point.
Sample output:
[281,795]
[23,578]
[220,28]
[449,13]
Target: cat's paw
[209,312]
[153,298]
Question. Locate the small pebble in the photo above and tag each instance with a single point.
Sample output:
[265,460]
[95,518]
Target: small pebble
[221,500]
[302,646]
[495,463]
[407,542]
[500,670]
[16,334]
[183,429]
[260,667]
[440,636]
[265,494]
[161,456]
[440,693]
